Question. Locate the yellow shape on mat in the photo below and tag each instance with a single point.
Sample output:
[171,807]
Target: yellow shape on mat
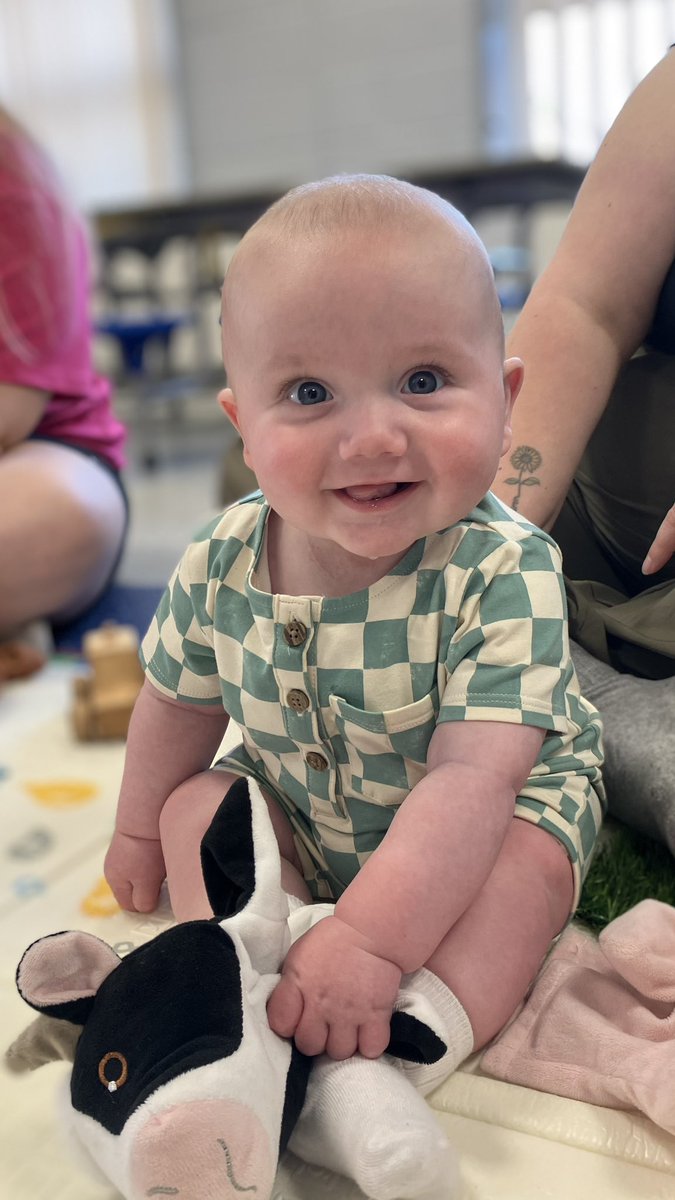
[100,902]
[62,793]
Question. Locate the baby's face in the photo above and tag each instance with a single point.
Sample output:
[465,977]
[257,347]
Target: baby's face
[367,380]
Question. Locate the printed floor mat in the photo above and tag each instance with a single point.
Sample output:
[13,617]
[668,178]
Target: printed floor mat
[57,803]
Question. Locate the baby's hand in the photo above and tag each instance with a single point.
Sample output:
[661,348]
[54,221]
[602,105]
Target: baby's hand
[134,868]
[335,995]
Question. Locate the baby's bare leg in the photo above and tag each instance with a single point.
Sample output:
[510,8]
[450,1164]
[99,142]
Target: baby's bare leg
[492,954]
[483,968]
[185,817]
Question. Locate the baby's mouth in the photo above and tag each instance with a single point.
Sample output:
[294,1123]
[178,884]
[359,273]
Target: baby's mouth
[373,491]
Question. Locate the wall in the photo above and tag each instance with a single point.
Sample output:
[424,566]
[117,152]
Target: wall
[280,91]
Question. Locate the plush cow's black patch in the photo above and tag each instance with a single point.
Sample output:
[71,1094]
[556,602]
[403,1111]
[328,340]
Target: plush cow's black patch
[171,1005]
[294,1098]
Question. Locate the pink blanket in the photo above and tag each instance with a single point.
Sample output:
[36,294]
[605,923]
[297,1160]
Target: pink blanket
[599,1024]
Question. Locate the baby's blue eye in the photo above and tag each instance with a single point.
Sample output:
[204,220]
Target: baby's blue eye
[309,392]
[423,383]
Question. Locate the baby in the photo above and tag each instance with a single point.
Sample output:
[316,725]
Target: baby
[390,639]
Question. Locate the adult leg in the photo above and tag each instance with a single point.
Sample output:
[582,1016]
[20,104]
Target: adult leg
[624,488]
[638,717]
[184,819]
[62,523]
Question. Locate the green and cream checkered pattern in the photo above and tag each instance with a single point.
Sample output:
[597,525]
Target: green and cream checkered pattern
[337,698]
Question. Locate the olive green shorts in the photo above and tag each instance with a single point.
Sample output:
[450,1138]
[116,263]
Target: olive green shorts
[622,491]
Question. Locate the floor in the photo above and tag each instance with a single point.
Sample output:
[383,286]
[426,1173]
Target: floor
[57,799]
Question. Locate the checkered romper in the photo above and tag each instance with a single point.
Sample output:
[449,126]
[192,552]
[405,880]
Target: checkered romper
[337,698]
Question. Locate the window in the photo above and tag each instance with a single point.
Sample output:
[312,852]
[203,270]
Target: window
[95,84]
[582,58]
[556,72]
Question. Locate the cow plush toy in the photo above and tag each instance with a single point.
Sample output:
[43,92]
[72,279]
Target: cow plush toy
[179,1087]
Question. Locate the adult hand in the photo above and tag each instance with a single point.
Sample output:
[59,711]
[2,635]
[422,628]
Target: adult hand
[663,546]
[134,868]
[335,995]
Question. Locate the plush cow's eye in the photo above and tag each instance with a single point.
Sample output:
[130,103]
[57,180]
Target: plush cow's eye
[113,1085]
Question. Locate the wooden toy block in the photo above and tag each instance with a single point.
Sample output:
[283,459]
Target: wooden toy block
[105,696]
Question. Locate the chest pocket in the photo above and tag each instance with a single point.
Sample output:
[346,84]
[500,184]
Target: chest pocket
[382,755]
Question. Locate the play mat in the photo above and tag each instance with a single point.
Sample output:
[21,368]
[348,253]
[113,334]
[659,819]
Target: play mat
[58,798]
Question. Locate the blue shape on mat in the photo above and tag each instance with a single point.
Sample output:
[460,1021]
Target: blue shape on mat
[26,886]
[125,604]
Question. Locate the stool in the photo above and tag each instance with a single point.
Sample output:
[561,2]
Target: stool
[133,334]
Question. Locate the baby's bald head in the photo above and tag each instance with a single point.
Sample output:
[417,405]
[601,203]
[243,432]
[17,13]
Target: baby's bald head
[375,208]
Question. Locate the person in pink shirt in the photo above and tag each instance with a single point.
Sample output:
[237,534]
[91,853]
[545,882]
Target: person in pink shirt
[63,511]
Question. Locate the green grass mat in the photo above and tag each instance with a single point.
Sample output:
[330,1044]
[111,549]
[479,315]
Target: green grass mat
[626,869]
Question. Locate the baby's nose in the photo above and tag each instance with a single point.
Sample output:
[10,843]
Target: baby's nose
[374,430]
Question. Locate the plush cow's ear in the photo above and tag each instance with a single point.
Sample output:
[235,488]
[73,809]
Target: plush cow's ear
[45,1040]
[242,874]
[61,974]
[227,853]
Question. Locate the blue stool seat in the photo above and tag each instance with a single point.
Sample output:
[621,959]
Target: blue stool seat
[133,334]
[149,381]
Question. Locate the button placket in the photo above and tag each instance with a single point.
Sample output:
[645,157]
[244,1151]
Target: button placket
[296,620]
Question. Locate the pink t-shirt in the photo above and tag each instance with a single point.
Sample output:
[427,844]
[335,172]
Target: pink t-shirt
[45,328]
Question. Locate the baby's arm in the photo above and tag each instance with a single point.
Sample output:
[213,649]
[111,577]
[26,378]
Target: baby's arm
[443,841]
[168,742]
[337,983]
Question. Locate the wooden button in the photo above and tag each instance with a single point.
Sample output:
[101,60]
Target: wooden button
[295,633]
[316,761]
[297,700]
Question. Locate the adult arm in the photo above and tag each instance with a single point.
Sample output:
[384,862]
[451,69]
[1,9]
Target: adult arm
[21,410]
[593,304]
[168,742]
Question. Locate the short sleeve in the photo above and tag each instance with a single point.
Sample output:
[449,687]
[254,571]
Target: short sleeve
[509,658]
[177,652]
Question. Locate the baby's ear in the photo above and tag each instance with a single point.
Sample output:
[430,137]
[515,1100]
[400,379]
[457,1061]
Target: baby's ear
[514,371]
[513,381]
[228,404]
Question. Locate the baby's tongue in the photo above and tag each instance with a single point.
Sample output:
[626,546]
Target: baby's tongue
[371,491]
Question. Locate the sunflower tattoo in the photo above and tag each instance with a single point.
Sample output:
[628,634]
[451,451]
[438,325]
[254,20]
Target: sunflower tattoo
[525,460]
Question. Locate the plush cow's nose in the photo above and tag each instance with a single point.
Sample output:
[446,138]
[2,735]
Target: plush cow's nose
[205,1150]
